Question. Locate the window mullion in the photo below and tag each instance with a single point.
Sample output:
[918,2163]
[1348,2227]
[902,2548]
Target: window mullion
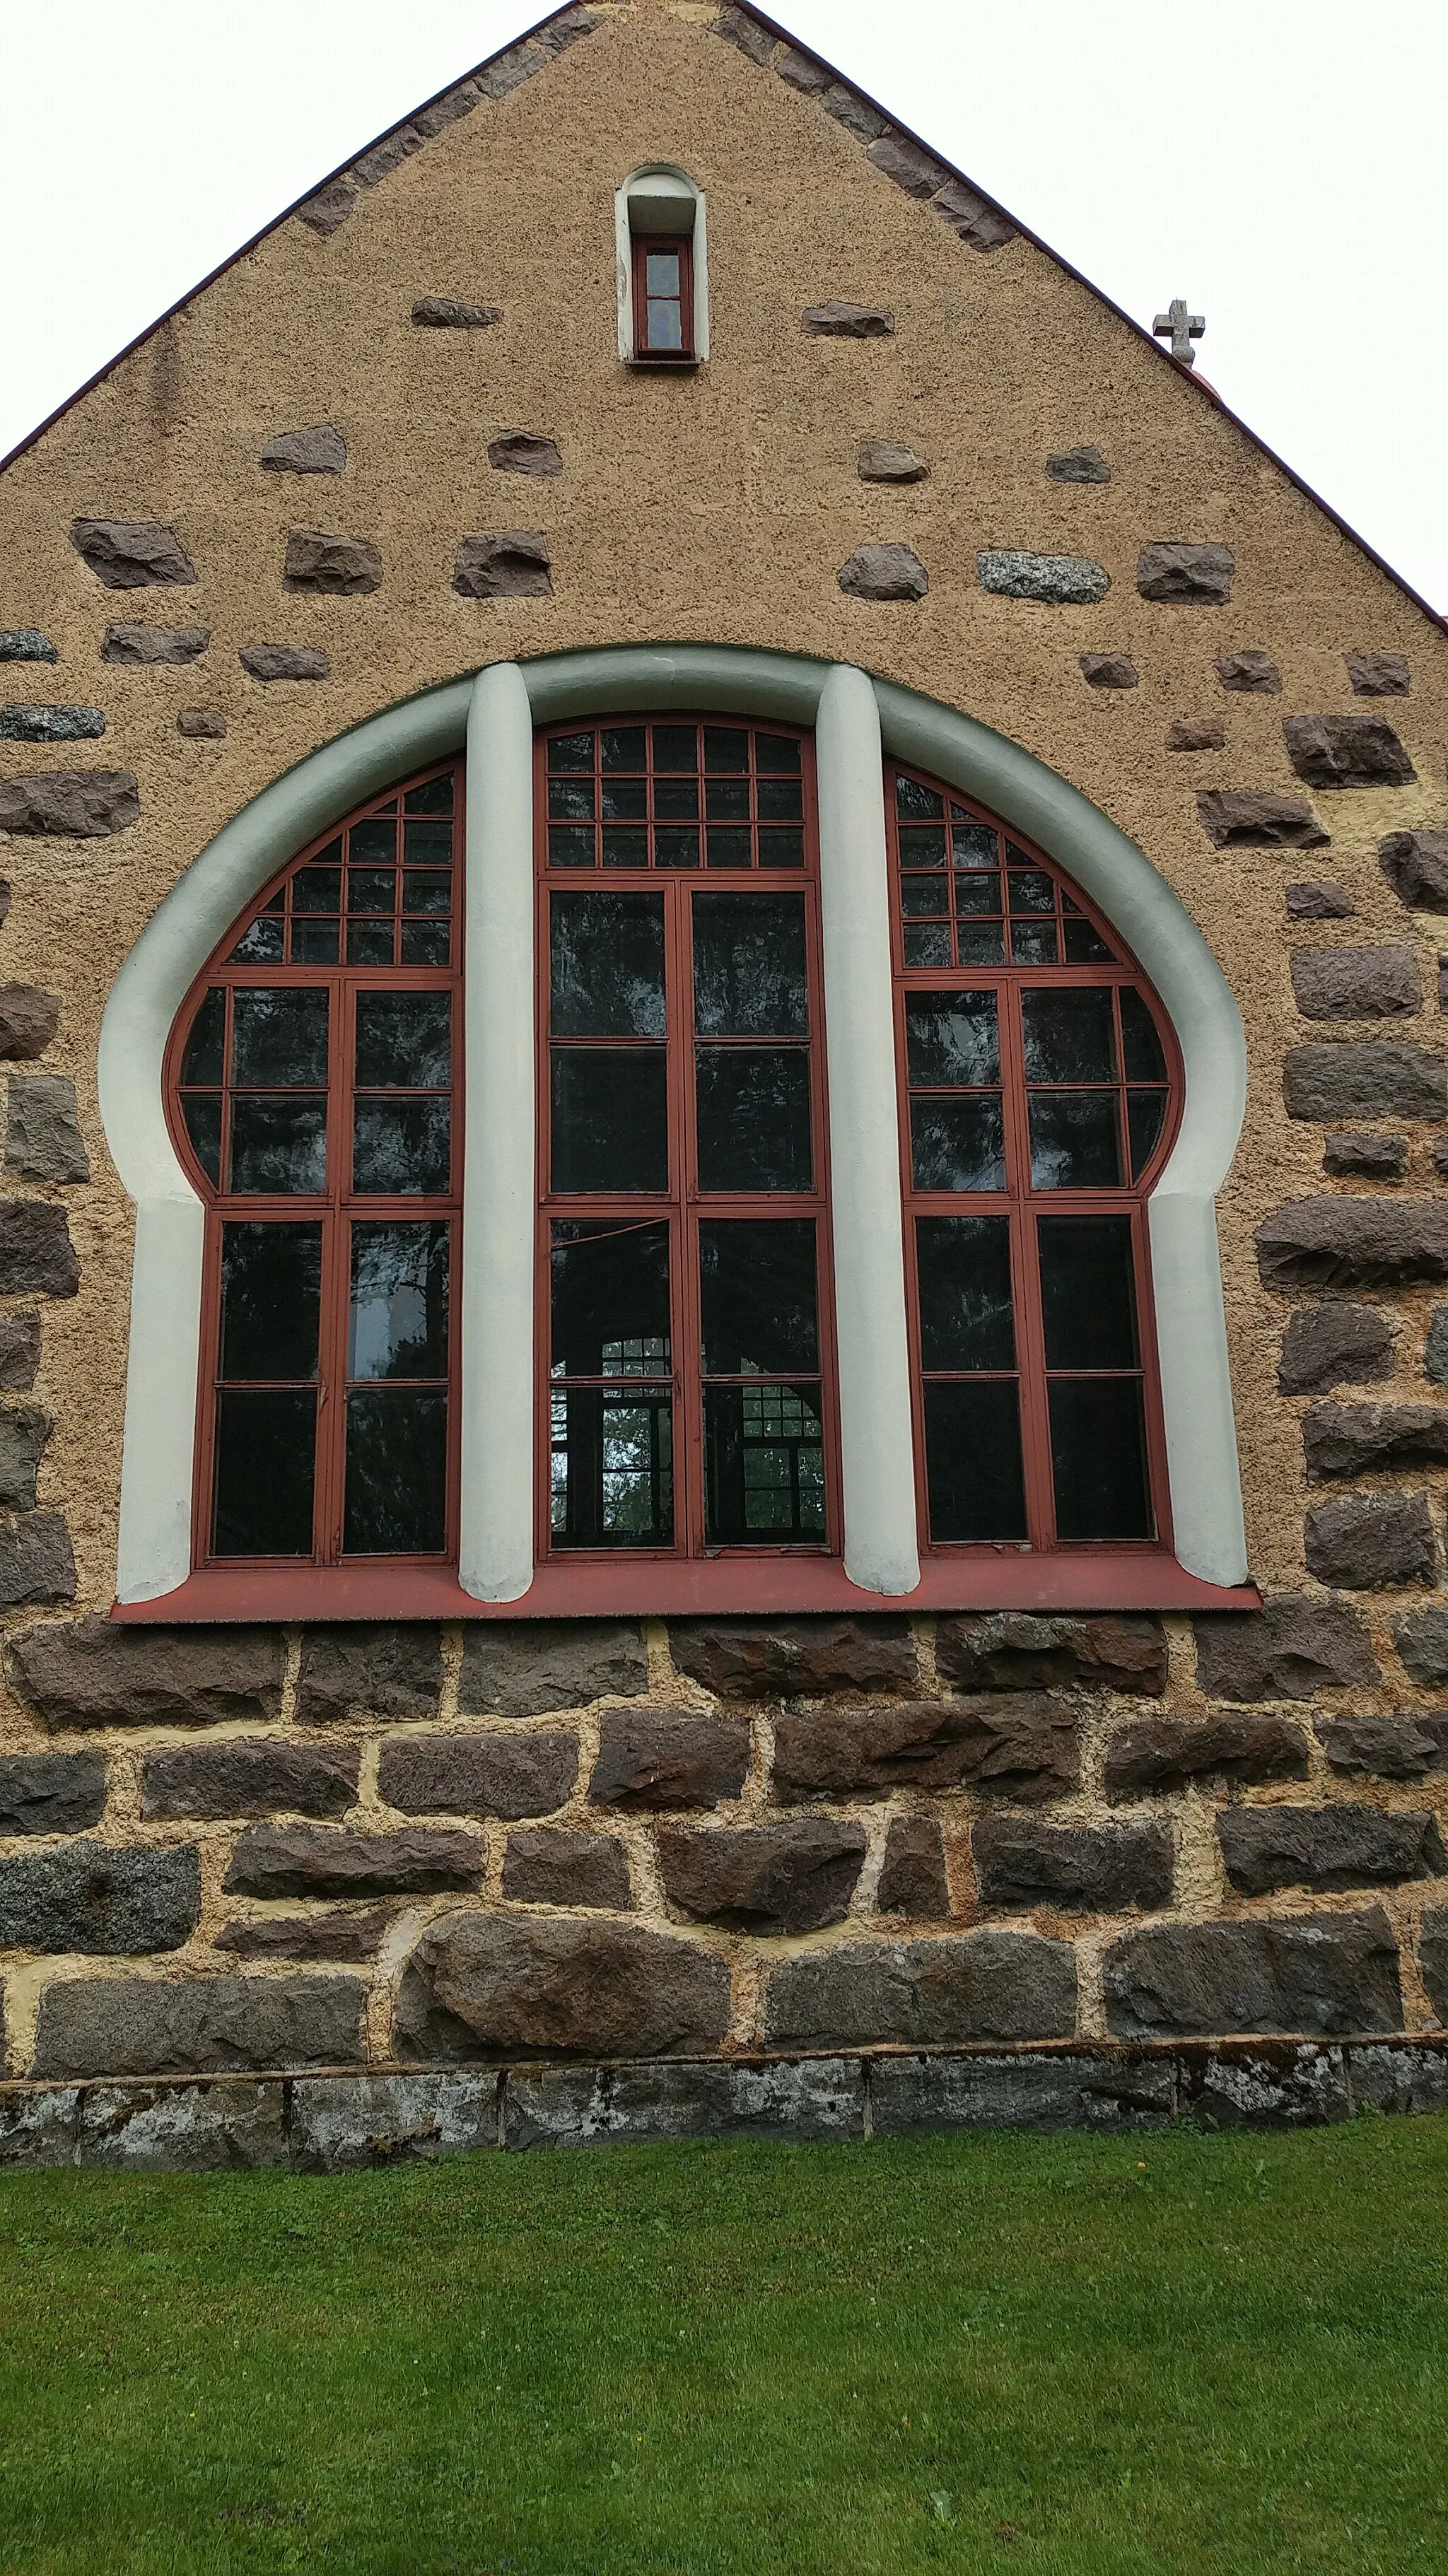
[1025,1277]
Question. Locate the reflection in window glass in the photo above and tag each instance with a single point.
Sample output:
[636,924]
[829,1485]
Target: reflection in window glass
[610,1429]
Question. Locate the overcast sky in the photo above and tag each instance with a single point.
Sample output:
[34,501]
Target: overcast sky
[1278,162]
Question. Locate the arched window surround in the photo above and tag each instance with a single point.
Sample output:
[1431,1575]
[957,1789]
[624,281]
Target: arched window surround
[853,716]
[660,198]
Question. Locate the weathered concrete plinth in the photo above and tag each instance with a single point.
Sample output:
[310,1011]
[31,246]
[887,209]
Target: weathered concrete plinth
[335,2122]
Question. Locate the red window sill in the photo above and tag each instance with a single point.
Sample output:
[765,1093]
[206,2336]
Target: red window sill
[1111,1579]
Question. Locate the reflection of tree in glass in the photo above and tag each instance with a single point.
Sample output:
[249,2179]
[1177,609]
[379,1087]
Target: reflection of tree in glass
[399,1301]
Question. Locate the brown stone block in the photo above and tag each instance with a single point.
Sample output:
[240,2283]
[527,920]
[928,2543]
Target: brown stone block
[669,1757]
[445,313]
[924,1994]
[1078,1869]
[51,1793]
[478,1775]
[19,1351]
[1346,751]
[250,1778]
[794,1877]
[1315,1975]
[1361,1157]
[1251,671]
[1017,1650]
[1364,1542]
[1374,1439]
[546,1865]
[1267,1848]
[88,1672]
[28,1021]
[305,1938]
[1078,465]
[42,1139]
[1108,671]
[528,1667]
[494,1986]
[24,1431]
[1152,1755]
[1342,1243]
[285,662]
[1251,818]
[521,451]
[88,1898]
[1293,1647]
[143,2026]
[139,644]
[305,451]
[132,554]
[1186,575]
[847,322]
[1356,983]
[1318,899]
[913,1878]
[1372,1079]
[71,804]
[1416,867]
[1433,1959]
[507,563]
[37,1256]
[328,566]
[884,572]
[1021,1745]
[1390,1748]
[794,1658]
[378,1668]
[1378,675]
[1421,1638]
[316,1860]
[1196,733]
[1334,1345]
[37,1563]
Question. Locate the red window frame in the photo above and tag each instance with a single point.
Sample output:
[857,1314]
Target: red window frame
[335,1208]
[683,1205]
[1020,1201]
[682,245]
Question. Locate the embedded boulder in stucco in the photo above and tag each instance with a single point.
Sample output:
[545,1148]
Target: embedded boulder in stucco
[90,1673]
[481,1986]
[931,1993]
[71,804]
[1324,1976]
[1346,751]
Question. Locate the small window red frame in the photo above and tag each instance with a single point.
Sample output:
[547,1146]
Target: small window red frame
[943,944]
[663,321]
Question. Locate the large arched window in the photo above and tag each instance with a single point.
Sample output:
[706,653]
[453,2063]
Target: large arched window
[683,1256]
[1040,1092]
[311,1092]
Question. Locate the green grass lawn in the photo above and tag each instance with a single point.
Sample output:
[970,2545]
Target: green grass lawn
[1182,2352]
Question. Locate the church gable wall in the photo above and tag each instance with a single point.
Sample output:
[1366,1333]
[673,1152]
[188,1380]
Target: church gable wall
[225,1851]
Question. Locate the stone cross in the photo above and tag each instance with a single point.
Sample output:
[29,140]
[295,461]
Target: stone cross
[1181,328]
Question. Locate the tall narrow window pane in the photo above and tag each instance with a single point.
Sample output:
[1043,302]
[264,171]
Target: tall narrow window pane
[611,1404]
[265,1443]
[610,1119]
[763,1442]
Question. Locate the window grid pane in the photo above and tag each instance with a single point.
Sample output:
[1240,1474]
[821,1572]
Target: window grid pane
[677,795]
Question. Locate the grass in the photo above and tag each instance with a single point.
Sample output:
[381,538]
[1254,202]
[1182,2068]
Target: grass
[1009,2353]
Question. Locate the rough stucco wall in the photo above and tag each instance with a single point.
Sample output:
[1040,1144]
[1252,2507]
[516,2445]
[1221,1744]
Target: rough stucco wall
[717,506]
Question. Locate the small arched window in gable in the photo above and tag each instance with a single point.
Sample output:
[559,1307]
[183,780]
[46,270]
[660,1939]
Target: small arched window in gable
[663,273]
[1041,1090]
[310,1089]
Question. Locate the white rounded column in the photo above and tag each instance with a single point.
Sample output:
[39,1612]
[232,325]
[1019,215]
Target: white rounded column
[881,1551]
[495,1313]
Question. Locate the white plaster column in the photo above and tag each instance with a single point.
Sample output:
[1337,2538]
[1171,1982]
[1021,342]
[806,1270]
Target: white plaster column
[881,1552]
[495,1311]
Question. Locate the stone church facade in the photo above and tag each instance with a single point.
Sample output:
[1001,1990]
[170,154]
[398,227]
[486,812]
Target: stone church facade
[724,1266]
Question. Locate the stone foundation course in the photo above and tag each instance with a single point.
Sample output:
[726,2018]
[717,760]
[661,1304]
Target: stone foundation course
[255,1856]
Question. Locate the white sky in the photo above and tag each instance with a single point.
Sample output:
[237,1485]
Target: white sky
[1278,162]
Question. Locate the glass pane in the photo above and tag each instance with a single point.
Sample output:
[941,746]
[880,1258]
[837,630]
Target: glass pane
[314,943]
[317,890]
[624,800]
[428,844]
[929,948]
[279,1036]
[676,800]
[666,330]
[1033,943]
[426,890]
[610,1291]
[202,1113]
[958,1144]
[401,1148]
[607,965]
[570,800]
[404,1040]
[726,747]
[963,1264]
[434,796]
[726,800]
[929,896]
[1098,1456]
[570,845]
[369,943]
[610,1119]
[675,849]
[261,945]
[624,849]
[371,889]
[1084,945]
[764,1465]
[1075,1140]
[1068,1035]
[975,1486]
[278,1143]
[780,800]
[396,1489]
[373,843]
[1088,1296]
[980,943]
[757,1284]
[781,848]
[425,943]
[611,1467]
[979,892]
[622,748]
[753,1111]
[265,1465]
[732,848]
[661,272]
[975,845]
[911,798]
[777,752]
[201,1062]
[1140,1043]
[1031,890]
[398,1324]
[1145,1116]
[271,1301]
[922,846]
[572,751]
[676,747]
[749,966]
[953,1040]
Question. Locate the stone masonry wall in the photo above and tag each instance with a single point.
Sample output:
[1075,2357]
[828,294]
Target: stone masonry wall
[251,1849]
